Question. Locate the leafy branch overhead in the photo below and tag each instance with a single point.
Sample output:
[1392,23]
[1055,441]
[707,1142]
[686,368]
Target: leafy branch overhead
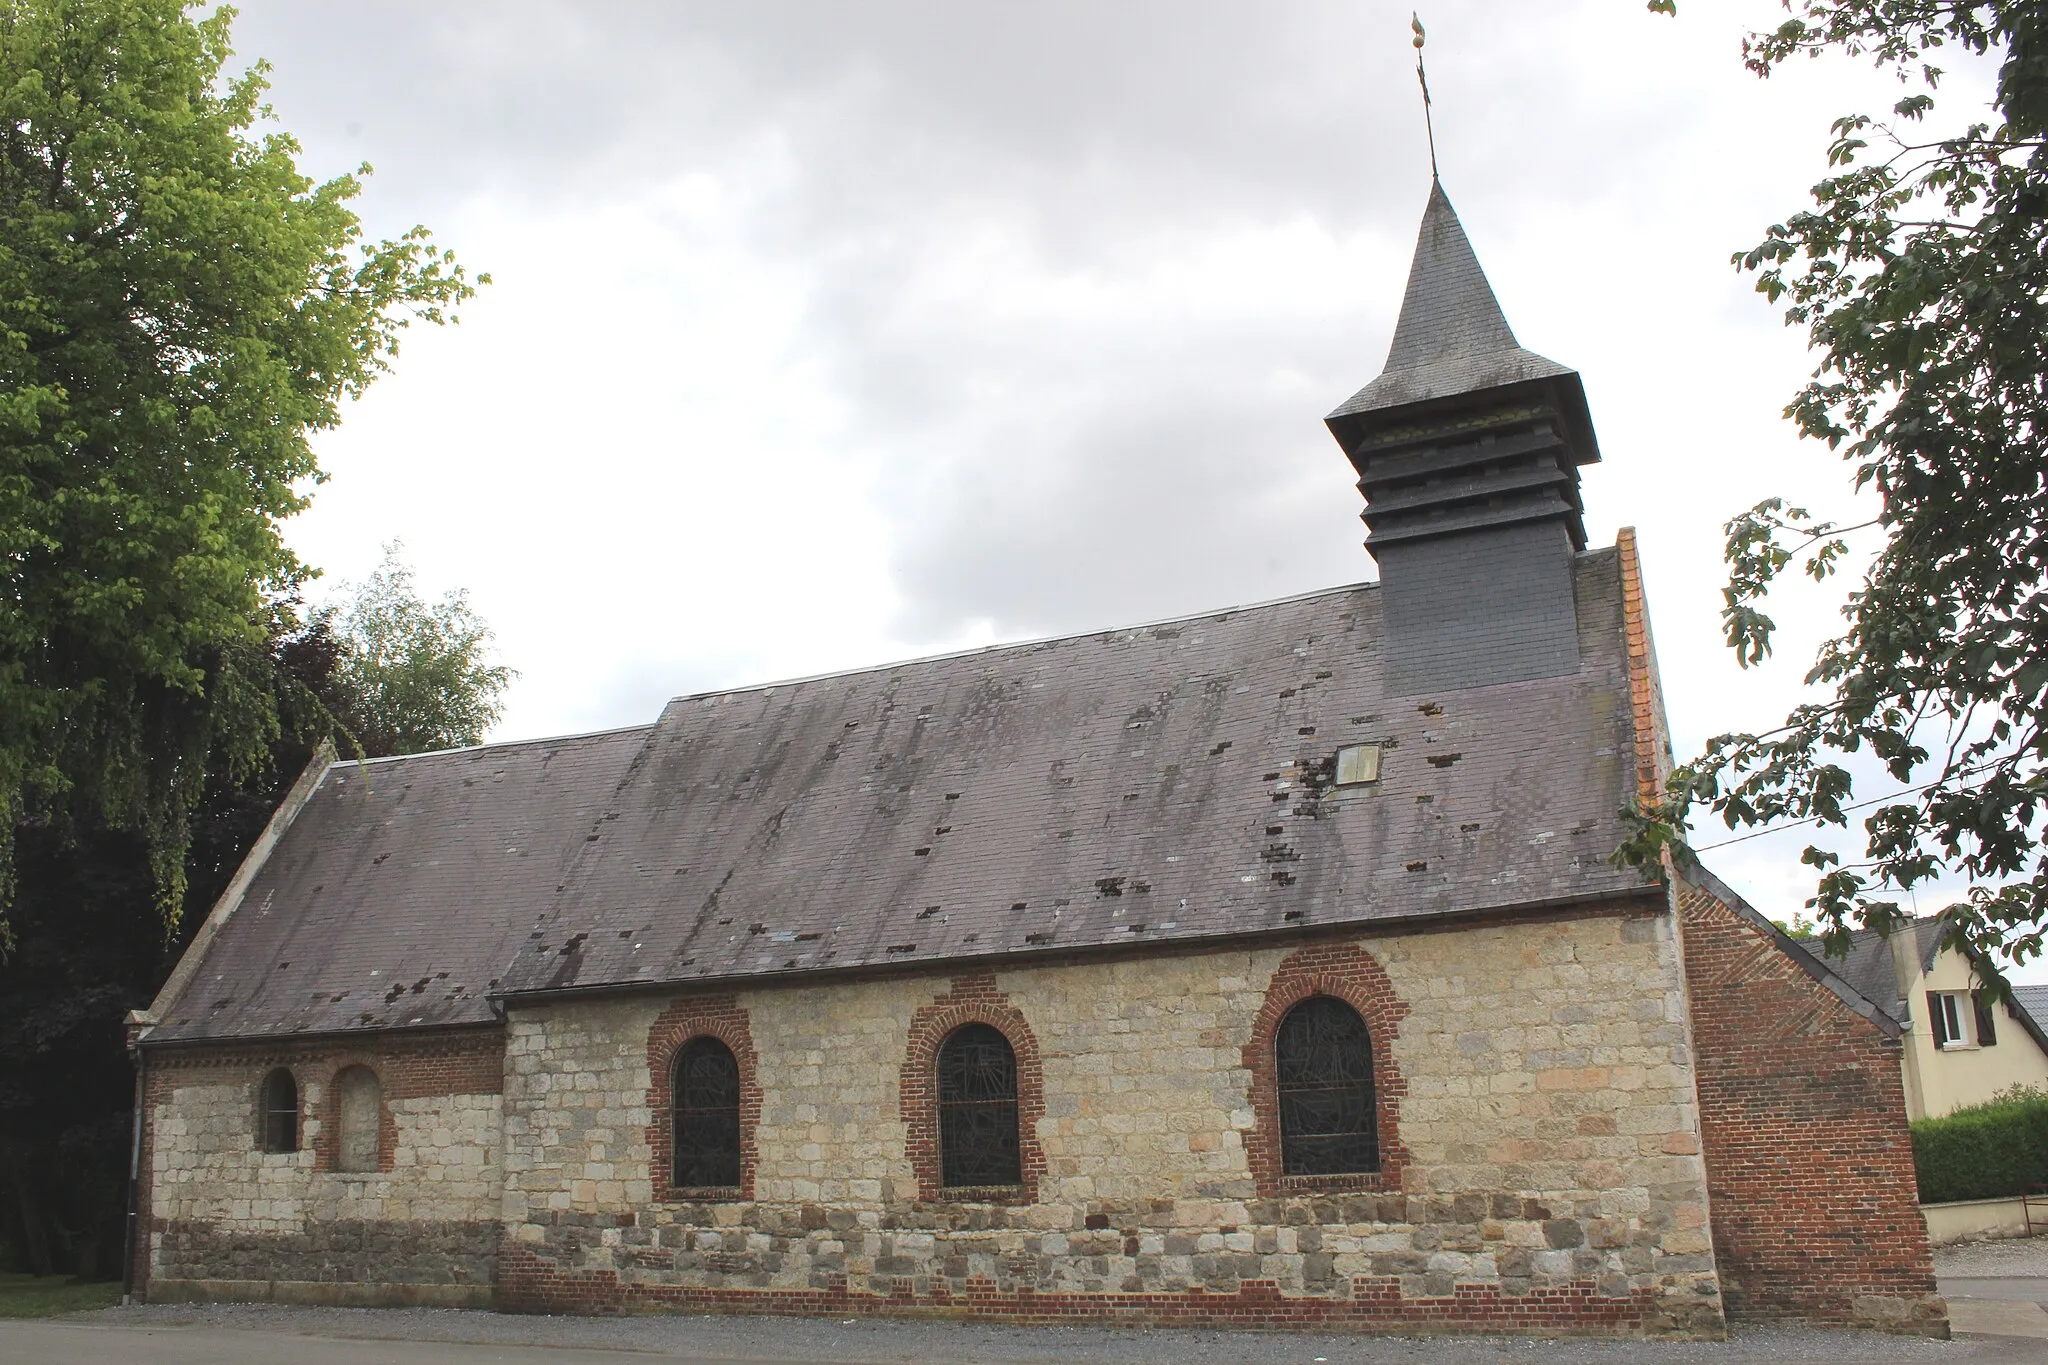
[1921,276]
[181,308]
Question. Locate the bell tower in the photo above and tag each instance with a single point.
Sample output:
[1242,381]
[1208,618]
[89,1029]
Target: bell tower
[1468,450]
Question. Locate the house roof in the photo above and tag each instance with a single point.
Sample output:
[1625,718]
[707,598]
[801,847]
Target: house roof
[1869,963]
[1869,967]
[2034,1000]
[399,891]
[1163,784]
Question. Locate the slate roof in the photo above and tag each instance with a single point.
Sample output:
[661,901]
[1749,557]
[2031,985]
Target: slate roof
[2034,1000]
[1452,337]
[1163,784]
[400,891]
[1868,967]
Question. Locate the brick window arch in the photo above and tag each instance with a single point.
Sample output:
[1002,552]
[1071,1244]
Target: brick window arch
[1344,973]
[972,1003]
[683,1051]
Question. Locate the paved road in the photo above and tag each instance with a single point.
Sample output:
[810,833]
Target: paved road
[2001,1305]
[273,1335]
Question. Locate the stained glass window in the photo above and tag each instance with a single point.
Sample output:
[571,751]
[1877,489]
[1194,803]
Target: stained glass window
[1328,1125]
[280,1112]
[707,1116]
[978,1109]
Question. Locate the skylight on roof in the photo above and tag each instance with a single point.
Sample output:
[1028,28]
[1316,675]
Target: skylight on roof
[1358,765]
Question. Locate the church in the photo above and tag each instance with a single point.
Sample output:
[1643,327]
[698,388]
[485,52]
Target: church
[1265,968]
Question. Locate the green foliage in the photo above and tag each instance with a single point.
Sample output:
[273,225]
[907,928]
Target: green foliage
[180,308]
[1988,1151]
[25,1296]
[1921,277]
[413,674]
[1799,927]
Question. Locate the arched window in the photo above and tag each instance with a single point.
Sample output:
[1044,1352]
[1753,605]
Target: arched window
[280,1105]
[1323,1065]
[707,1116]
[359,1102]
[978,1109]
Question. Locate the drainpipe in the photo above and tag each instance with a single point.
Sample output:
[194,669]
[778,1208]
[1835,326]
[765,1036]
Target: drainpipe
[130,1240]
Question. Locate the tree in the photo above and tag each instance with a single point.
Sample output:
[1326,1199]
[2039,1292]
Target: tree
[83,956]
[413,674]
[180,309]
[1921,276]
[86,951]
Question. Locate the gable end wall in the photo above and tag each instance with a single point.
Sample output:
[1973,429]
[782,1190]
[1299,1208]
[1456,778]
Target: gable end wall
[1809,1163]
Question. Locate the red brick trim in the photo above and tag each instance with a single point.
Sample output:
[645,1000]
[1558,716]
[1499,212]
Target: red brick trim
[417,1065]
[702,1016]
[1350,974]
[973,999]
[1645,690]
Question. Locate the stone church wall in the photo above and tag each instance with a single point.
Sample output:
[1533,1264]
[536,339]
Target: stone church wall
[1536,1104]
[229,1220]
[1809,1161]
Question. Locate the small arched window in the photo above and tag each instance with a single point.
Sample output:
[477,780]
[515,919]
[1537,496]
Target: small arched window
[707,1116]
[1323,1065]
[359,1100]
[978,1109]
[280,1112]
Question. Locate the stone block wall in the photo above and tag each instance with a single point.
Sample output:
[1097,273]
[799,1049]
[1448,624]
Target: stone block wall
[223,1213]
[1809,1161]
[1538,1074]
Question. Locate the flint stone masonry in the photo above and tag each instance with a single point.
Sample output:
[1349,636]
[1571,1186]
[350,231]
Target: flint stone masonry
[1552,1177]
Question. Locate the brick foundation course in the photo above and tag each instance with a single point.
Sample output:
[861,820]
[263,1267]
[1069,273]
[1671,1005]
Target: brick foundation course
[531,1284]
[1809,1160]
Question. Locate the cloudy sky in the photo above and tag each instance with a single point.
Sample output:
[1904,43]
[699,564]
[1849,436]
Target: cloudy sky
[824,333]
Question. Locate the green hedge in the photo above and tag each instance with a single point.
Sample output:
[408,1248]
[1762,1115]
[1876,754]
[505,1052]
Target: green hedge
[1988,1151]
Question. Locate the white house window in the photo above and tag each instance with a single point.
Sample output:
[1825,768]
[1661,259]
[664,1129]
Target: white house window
[1948,1013]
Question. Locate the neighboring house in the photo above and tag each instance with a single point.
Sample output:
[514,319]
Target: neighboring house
[2034,1000]
[1961,1046]
[1262,967]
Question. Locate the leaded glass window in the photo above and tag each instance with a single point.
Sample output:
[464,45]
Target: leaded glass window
[1323,1062]
[707,1116]
[978,1109]
[280,1112]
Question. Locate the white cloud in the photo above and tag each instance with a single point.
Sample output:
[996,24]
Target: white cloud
[830,333]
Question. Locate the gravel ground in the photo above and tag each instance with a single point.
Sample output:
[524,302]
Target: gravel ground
[1984,1260]
[874,1342]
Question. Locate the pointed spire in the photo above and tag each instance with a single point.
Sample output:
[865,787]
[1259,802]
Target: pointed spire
[1452,338]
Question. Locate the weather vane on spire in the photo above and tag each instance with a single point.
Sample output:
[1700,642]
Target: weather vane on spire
[1415,22]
